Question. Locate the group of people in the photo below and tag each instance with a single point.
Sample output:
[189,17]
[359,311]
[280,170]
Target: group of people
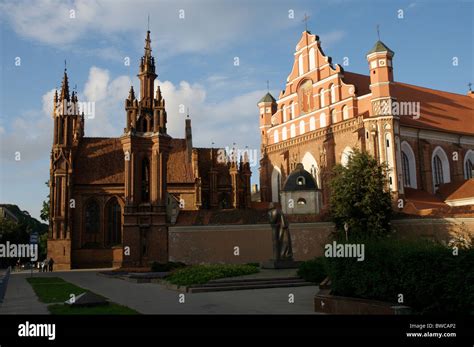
[46,265]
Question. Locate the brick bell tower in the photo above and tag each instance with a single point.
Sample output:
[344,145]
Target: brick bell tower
[146,148]
[382,128]
[68,130]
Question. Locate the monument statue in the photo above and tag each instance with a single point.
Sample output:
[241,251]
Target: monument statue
[282,250]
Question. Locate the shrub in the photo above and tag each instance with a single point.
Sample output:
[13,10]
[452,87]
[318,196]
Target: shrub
[199,274]
[166,267]
[313,270]
[430,277]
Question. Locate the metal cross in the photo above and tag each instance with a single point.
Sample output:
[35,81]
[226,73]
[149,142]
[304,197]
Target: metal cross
[378,31]
[268,86]
[148,22]
[65,65]
[470,85]
[305,20]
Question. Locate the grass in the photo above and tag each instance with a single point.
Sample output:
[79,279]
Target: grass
[199,274]
[56,290]
[110,309]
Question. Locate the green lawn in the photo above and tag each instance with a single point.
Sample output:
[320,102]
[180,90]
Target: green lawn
[56,290]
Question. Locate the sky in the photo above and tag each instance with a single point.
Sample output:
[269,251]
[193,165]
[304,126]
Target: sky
[195,44]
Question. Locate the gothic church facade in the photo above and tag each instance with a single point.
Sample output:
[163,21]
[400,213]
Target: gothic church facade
[112,199]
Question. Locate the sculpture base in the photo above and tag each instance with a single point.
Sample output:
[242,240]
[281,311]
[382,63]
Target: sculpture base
[280,264]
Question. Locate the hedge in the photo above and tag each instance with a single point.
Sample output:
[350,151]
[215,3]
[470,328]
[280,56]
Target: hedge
[428,275]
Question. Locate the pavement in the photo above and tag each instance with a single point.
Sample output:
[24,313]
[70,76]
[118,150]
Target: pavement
[151,298]
[20,297]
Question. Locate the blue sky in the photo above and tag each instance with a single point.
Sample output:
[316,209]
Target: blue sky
[195,64]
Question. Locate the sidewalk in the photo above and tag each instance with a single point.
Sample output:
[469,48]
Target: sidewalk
[20,297]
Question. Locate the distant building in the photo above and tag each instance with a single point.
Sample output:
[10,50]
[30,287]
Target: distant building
[7,214]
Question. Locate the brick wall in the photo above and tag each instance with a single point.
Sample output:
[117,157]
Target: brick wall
[215,244]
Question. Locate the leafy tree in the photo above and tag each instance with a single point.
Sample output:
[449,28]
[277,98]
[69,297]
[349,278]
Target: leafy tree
[44,214]
[359,196]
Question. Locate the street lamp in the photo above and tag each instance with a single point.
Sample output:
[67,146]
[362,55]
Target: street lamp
[346,229]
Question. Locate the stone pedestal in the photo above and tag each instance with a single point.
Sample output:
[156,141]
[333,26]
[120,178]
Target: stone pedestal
[280,264]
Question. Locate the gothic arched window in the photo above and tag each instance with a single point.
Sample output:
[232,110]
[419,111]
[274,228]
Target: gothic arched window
[92,217]
[145,180]
[114,222]
[438,170]
[469,169]
[406,170]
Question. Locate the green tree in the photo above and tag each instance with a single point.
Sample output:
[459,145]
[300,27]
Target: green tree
[359,196]
[44,214]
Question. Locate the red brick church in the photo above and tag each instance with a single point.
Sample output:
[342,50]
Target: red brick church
[113,198]
[425,136]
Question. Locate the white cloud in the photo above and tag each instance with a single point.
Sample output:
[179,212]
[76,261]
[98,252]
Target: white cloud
[95,88]
[206,26]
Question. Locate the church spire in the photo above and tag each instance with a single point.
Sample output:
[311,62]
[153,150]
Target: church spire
[148,45]
[147,75]
[65,87]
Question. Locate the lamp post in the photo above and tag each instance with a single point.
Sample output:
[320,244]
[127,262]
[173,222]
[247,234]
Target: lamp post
[346,229]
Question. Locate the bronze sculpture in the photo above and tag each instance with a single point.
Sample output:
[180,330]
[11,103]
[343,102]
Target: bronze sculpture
[280,234]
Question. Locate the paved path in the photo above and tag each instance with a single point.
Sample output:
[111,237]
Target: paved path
[20,297]
[150,298]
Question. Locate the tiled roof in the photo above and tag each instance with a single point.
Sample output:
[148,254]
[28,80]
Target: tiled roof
[439,110]
[99,161]
[267,98]
[361,82]
[457,190]
[180,170]
[380,47]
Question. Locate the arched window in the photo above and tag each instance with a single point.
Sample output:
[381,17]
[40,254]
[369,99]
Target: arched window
[333,94]
[283,134]
[300,64]
[312,60]
[333,117]
[322,120]
[408,165]
[406,170]
[440,168]
[275,136]
[292,105]
[468,164]
[284,113]
[469,169]
[92,217]
[276,184]
[293,130]
[345,112]
[302,127]
[438,171]
[321,98]
[114,222]
[312,124]
[145,188]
